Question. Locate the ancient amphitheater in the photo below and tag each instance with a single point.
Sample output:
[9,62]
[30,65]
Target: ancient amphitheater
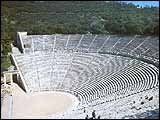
[117,76]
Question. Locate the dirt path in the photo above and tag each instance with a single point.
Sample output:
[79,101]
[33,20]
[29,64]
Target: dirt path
[5,107]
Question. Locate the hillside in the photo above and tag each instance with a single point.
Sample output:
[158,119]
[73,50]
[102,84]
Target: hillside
[97,17]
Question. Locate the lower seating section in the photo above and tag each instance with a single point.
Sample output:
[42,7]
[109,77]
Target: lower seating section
[87,75]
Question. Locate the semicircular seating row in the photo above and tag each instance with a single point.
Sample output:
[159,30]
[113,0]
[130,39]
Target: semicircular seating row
[89,76]
[137,46]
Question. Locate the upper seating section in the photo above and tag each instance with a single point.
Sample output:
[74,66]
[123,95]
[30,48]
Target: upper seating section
[137,46]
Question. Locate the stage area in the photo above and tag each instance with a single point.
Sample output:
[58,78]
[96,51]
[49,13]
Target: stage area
[40,104]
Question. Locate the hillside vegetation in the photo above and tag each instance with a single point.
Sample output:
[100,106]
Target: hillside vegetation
[97,17]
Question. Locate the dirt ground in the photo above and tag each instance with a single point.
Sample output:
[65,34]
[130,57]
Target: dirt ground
[39,104]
